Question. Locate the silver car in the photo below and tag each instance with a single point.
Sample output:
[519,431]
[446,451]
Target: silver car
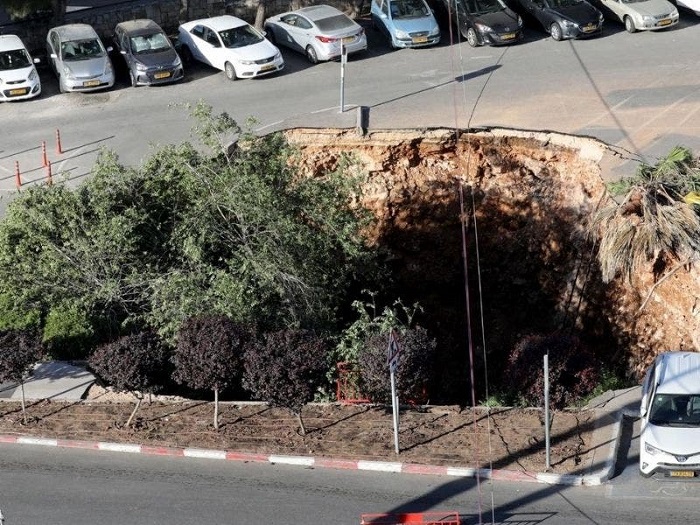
[642,14]
[79,58]
[321,32]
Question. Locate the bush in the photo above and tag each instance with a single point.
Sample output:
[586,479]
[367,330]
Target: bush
[573,370]
[414,367]
[286,368]
[68,333]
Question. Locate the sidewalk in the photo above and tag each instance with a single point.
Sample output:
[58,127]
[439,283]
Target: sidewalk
[55,380]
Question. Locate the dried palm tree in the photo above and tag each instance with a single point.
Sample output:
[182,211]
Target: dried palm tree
[658,220]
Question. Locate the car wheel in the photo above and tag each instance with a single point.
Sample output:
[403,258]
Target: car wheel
[311,55]
[629,24]
[186,55]
[555,31]
[230,71]
[472,38]
[132,77]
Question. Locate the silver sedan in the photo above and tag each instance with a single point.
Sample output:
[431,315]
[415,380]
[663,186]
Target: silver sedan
[321,32]
[79,59]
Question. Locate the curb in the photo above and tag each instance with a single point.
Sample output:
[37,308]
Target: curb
[322,462]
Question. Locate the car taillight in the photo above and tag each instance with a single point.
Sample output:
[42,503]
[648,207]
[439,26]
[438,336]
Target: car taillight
[326,39]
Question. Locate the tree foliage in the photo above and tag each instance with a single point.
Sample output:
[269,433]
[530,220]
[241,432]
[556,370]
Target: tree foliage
[285,368]
[208,354]
[573,370]
[657,221]
[19,351]
[235,231]
[136,363]
[413,371]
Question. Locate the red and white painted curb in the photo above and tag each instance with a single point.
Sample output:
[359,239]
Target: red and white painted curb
[306,461]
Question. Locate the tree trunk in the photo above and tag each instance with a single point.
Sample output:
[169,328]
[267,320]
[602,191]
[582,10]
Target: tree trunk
[184,11]
[216,408]
[24,408]
[301,422]
[139,398]
[59,11]
[260,14]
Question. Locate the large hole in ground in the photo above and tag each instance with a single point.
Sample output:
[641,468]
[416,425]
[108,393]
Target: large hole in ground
[531,267]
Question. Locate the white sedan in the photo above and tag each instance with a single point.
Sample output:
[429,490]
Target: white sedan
[231,45]
[18,76]
[642,14]
[321,32]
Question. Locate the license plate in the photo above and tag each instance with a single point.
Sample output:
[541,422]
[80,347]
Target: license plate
[267,67]
[682,474]
[348,39]
[508,36]
[665,22]
[589,28]
[420,39]
[91,83]
[162,74]
[15,92]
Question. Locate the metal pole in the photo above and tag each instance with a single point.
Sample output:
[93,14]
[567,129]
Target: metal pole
[546,410]
[395,409]
[343,59]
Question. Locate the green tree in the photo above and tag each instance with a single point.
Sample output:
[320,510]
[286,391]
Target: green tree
[657,221]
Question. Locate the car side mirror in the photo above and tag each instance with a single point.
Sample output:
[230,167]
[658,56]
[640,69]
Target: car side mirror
[122,52]
[36,60]
[53,55]
[383,15]
[110,49]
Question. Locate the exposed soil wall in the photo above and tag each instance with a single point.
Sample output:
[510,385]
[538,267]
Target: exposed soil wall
[530,264]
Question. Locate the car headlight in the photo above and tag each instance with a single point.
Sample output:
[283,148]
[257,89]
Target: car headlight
[651,450]
[140,66]
[68,73]
[108,68]
[648,19]
[177,62]
[568,23]
[520,21]
[247,62]
[674,13]
[278,56]
[601,18]
[435,31]
[482,28]
[401,34]
[32,75]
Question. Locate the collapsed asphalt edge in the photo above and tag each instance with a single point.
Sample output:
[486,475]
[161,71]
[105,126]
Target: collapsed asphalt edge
[318,462]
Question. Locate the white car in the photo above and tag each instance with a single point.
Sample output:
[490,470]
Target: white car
[79,59]
[642,14]
[231,45]
[18,77]
[320,32]
[693,5]
[669,439]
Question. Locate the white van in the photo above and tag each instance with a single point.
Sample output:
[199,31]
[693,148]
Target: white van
[669,441]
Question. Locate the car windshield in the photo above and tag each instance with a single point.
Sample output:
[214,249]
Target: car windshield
[678,410]
[241,36]
[564,3]
[145,44]
[408,9]
[334,22]
[14,59]
[481,7]
[81,49]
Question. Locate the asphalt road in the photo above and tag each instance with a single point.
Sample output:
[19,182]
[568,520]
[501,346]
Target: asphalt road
[41,485]
[638,91]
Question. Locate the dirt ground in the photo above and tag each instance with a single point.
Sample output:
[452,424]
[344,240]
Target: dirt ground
[438,435]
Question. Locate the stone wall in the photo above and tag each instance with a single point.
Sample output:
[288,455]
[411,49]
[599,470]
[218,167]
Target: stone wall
[167,13]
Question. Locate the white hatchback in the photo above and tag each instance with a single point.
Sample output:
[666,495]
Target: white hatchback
[231,45]
[18,76]
[669,440]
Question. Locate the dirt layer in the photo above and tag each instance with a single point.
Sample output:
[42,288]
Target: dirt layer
[439,435]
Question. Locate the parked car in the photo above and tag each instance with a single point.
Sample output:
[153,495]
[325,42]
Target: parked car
[231,45]
[149,55]
[18,77]
[318,31]
[670,417]
[692,5]
[641,14]
[406,23]
[79,59]
[564,18]
[483,22]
